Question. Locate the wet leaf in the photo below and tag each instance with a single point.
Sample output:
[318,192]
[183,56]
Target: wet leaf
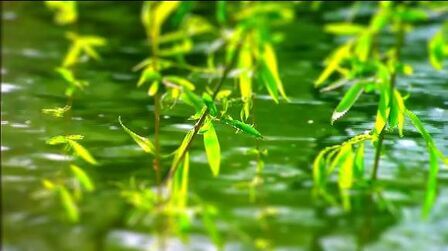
[143,142]
[212,149]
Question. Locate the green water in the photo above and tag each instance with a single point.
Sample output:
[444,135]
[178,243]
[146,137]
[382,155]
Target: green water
[32,46]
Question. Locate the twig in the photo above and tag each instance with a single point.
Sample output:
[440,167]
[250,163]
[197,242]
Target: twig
[201,120]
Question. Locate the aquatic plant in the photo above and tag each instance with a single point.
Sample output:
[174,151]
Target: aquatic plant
[364,66]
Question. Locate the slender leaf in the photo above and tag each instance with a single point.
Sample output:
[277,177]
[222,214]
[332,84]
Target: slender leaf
[345,180]
[359,162]
[82,152]
[347,101]
[83,178]
[212,149]
[210,104]
[239,125]
[344,28]
[143,142]
[333,63]
[69,205]
[431,186]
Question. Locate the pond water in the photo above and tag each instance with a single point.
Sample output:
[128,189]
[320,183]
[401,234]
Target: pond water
[283,215]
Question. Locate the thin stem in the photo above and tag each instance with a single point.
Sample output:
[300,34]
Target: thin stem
[201,120]
[393,80]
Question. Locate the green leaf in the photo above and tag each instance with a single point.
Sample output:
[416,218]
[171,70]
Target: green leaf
[191,99]
[83,178]
[221,12]
[396,117]
[319,173]
[143,142]
[148,75]
[210,104]
[333,63]
[182,148]
[48,184]
[153,88]
[436,50]
[269,81]
[212,149]
[340,158]
[82,152]
[239,125]
[69,205]
[362,47]
[179,81]
[345,180]
[344,28]
[419,126]
[270,61]
[359,161]
[245,78]
[66,12]
[383,109]
[347,101]
[431,185]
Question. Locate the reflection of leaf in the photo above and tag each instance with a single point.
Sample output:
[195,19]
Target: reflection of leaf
[143,142]
[212,149]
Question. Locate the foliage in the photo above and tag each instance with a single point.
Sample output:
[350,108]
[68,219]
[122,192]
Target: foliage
[360,62]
